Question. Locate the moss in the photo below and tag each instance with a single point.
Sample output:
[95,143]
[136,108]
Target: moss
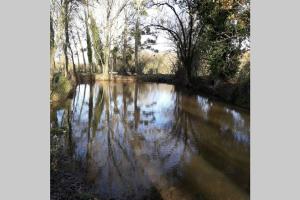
[60,87]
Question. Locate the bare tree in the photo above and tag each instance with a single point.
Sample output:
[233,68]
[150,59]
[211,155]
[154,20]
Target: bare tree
[184,29]
[82,51]
[137,33]
[112,10]
[125,41]
[67,9]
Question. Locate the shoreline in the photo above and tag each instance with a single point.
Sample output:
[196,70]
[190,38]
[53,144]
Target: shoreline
[225,92]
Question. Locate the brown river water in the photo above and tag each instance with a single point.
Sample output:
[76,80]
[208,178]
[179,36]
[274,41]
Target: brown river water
[149,141]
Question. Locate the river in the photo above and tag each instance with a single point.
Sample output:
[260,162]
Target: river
[149,141]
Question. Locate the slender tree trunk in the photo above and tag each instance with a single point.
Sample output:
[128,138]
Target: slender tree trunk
[76,51]
[88,39]
[137,42]
[82,51]
[67,42]
[125,40]
[78,62]
[114,62]
[74,66]
[52,44]
[107,50]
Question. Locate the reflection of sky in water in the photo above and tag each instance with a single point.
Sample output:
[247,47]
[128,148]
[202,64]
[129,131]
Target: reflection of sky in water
[119,146]
[59,114]
[158,106]
[204,105]
[237,117]
[233,120]
[241,137]
[239,128]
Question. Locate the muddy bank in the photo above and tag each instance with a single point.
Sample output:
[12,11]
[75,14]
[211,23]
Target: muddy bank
[67,180]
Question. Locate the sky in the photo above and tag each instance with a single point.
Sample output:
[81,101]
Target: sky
[163,44]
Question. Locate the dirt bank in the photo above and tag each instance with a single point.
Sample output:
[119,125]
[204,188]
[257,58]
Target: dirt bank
[67,180]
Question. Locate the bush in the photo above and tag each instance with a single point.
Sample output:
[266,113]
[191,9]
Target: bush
[243,90]
[60,87]
[223,62]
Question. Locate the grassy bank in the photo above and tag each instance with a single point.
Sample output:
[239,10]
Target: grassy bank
[61,87]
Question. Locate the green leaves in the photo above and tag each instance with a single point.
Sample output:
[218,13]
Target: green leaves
[227,26]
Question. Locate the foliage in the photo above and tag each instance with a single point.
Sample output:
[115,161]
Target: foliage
[227,30]
[97,44]
[223,61]
[209,36]
[89,46]
[60,87]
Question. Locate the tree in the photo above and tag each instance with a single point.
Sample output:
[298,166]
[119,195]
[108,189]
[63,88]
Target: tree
[66,19]
[125,40]
[82,51]
[97,44]
[67,9]
[228,28]
[112,10]
[185,30]
[52,42]
[88,37]
[137,32]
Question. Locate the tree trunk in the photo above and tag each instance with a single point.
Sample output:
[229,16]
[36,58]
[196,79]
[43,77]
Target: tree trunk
[76,53]
[107,50]
[88,42]
[74,66]
[114,62]
[125,40]
[67,42]
[137,43]
[52,44]
[82,51]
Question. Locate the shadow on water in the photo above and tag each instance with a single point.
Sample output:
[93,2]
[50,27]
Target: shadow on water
[148,141]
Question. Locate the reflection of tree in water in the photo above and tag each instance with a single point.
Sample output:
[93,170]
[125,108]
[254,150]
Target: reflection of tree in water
[117,138]
[218,145]
[83,100]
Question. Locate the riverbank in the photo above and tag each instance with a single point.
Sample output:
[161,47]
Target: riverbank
[234,93]
[61,87]
[67,180]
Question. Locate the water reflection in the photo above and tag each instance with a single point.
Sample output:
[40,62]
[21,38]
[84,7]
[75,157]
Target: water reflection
[146,141]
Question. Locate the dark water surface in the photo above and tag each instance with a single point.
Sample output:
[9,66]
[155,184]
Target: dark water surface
[148,141]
